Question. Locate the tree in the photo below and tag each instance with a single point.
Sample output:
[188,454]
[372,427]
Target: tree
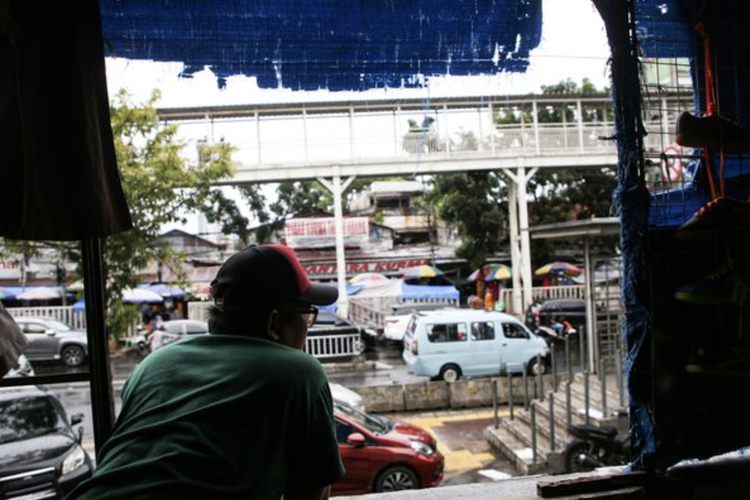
[476,202]
[161,186]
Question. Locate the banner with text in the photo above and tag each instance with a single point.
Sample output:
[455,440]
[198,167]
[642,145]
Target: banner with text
[320,232]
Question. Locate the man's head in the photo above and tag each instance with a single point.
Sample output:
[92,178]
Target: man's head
[263,291]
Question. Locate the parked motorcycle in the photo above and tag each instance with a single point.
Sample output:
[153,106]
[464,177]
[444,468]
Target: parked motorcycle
[596,447]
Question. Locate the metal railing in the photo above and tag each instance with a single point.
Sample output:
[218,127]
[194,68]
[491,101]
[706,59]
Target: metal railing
[66,314]
[334,346]
[545,293]
[371,311]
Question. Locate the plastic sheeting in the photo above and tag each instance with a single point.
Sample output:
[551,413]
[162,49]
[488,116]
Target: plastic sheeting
[666,30]
[631,199]
[333,44]
[416,292]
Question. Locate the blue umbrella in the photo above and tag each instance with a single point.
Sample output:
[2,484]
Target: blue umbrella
[80,306]
[6,294]
[165,290]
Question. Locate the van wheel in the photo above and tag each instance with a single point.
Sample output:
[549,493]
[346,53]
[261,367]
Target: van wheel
[535,368]
[450,373]
[396,478]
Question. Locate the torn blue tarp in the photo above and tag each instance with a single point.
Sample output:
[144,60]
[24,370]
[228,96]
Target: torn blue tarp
[332,44]
[661,29]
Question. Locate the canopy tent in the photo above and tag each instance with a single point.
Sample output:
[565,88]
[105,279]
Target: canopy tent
[416,292]
[166,291]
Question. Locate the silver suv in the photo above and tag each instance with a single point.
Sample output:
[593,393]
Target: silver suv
[52,340]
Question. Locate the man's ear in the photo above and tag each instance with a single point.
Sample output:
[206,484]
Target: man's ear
[272,327]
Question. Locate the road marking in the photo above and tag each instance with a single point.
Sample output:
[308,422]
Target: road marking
[457,460]
[495,475]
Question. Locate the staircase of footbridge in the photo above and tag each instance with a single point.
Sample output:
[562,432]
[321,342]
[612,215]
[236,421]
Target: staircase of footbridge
[336,141]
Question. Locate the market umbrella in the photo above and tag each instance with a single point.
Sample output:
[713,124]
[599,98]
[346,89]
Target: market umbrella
[491,272]
[39,293]
[80,306]
[558,268]
[141,296]
[166,291]
[423,271]
[368,278]
[76,286]
[6,295]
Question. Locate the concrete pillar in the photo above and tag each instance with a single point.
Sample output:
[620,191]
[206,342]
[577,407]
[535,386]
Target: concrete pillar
[591,336]
[337,189]
[523,222]
[515,251]
[579,107]
[535,116]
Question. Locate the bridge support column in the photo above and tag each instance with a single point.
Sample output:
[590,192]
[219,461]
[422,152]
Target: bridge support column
[336,187]
[519,228]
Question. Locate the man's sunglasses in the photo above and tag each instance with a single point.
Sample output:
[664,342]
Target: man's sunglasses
[308,314]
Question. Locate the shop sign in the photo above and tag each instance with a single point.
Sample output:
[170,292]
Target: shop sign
[352,268]
[320,232]
[10,269]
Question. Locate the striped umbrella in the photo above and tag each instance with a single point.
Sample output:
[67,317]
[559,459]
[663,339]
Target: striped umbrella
[491,272]
[558,268]
[423,271]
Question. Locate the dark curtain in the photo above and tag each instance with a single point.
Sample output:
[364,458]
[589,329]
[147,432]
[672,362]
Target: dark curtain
[58,171]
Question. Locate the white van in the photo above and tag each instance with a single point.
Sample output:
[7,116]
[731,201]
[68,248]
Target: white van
[472,342]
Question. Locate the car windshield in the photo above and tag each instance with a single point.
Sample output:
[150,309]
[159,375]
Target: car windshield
[58,326]
[28,417]
[376,425]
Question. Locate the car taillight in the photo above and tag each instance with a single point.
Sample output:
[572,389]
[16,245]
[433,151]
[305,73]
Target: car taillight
[414,347]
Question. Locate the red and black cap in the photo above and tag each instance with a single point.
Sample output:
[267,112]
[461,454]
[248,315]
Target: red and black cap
[268,275]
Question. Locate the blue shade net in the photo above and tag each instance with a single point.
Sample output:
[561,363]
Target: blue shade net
[327,44]
[666,30]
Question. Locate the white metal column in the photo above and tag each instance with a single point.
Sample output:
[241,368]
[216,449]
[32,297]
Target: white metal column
[523,221]
[515,250]
[591,336]
[337,189]
[519,228]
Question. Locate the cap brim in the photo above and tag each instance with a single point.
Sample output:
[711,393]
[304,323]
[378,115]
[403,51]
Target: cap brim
[320,295]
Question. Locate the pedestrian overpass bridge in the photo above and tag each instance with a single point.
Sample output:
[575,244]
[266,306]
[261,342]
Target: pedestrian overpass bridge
[303,141]
[336,141]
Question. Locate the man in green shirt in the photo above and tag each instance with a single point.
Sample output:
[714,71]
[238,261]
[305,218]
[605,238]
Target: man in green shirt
[241,413]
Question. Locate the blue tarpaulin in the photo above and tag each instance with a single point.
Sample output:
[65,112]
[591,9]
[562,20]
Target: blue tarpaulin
[332,44]
[428,292]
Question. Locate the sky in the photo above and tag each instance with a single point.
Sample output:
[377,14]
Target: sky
[573,46]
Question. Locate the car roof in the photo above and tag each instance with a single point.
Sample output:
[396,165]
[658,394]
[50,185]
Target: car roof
[467,314]
[10,393]
[36,318]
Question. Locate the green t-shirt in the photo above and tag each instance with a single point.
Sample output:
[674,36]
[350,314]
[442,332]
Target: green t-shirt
[219,417]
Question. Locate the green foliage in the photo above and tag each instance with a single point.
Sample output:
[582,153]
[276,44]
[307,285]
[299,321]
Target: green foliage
[475,203]
[160,185]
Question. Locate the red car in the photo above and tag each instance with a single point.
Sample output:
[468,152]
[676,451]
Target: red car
[381,454]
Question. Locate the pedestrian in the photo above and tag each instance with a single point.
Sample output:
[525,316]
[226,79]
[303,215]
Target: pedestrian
[239,413]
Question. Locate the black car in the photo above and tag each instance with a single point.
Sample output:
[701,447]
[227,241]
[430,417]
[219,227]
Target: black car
[573,311]
[40,454]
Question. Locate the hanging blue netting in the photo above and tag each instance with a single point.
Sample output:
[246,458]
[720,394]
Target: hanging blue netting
[332,44]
